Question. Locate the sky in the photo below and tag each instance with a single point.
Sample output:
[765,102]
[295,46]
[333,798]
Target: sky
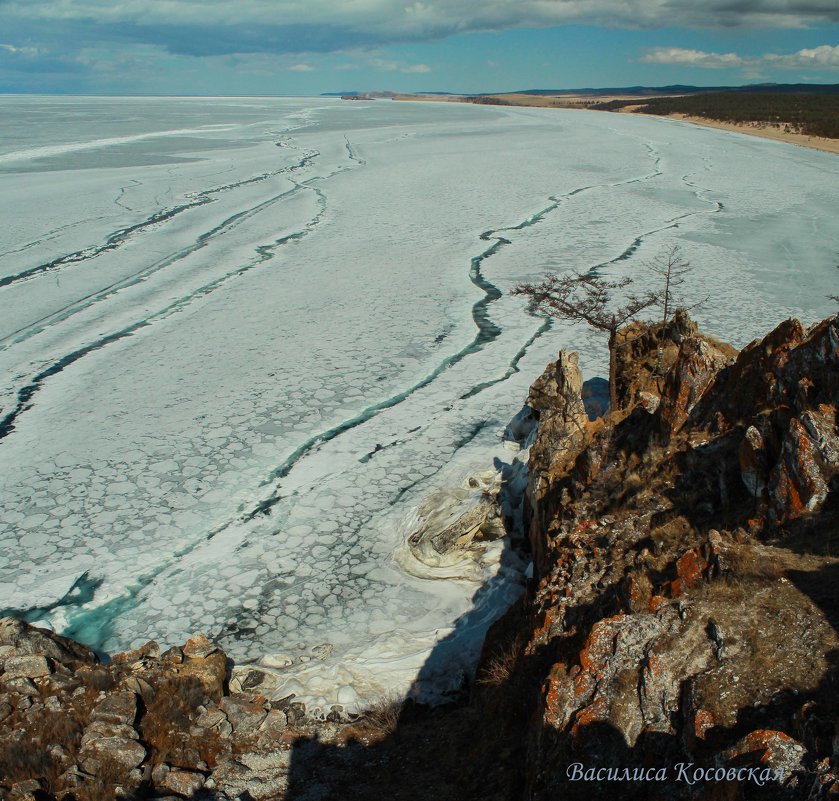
[307,47]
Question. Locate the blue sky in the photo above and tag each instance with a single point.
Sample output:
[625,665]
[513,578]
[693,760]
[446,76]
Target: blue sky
[242,47]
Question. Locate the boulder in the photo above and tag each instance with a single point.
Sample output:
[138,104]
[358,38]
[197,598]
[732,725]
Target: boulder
[26,667]
[184,783]
[117,707]
[199,647]
[30,640]
[123,753]
[244,715]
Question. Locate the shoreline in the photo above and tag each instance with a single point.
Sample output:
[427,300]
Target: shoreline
[580,103]
[758,130]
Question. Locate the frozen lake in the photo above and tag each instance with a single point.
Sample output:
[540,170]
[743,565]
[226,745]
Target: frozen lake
[242,339]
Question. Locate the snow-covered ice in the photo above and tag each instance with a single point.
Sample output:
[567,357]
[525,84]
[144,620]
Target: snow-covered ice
[241,341]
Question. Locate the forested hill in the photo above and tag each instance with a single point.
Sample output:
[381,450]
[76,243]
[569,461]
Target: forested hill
[814,114]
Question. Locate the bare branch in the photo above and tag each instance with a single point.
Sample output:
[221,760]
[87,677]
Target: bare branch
[587,298]
[672,267]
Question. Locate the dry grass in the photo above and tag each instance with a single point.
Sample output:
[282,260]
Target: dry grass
[501,665]
[26,754]
[168,719]
[381,718]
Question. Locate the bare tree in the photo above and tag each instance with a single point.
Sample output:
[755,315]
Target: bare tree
[672,267]
[587,297]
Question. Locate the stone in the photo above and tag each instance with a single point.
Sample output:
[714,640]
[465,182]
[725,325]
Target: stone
[244,716]
[149,652]
[125,754]
[27,667]
[275,722]
[184,783]
[173,655]
[30,640]
[695,370]
[198,647]
[117,707]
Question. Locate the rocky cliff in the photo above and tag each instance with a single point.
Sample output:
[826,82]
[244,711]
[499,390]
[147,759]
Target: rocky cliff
[684,607]
[678,639]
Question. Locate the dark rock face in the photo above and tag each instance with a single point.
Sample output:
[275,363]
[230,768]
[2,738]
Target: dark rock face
[681,611]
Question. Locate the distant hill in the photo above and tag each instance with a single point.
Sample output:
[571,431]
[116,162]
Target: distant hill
[811,113]
[679,89]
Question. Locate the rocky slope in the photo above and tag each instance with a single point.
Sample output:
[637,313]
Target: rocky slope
[685,605]
[678,639]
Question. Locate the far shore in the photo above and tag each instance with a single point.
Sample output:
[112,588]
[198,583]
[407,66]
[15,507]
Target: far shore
[581,102]
[764,131]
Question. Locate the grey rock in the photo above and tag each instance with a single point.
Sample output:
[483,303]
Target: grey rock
[126,754]
[119,707]
[244,716]
[184,783]
[278,760]
[199,647]
[29,667]
[33,641]
[234,780]
[275,721]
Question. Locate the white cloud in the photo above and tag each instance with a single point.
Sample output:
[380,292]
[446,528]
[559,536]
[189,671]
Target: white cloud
[430,18]
[820,58]
[825,57]
[301,68]
[397,66]
[691,58]
[20,51]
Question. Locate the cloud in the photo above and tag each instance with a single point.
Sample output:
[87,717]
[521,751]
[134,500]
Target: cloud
[819,58]
[691,58]
[397,66]
[825,57]
[219,27]
[301,68]
[20,51]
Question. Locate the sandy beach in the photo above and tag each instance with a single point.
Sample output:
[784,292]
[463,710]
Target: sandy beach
[582,102]
[766,132]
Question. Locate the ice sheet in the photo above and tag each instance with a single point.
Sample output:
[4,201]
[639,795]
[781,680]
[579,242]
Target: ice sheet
[235,364]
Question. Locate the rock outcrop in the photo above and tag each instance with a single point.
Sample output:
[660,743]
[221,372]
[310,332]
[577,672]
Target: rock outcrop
[681,613]
[147,724]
